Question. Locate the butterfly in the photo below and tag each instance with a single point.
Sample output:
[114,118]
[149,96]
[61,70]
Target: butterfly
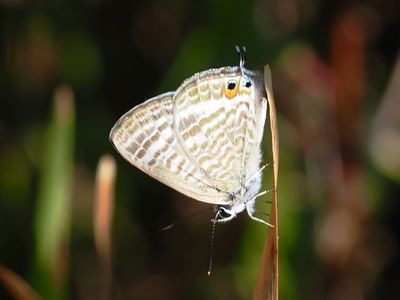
[203,139]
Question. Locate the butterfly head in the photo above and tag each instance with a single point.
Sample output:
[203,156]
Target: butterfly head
[244,81]
[241,81]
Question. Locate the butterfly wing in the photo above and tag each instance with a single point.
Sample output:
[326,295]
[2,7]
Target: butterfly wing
[145,137]
[219,118]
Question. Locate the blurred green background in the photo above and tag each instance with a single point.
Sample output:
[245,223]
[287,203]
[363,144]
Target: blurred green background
[70,69]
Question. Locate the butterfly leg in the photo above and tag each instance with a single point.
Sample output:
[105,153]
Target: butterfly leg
[215,220]
[250,208]
[257,219]
[263,193]
[256,173]
[231,216]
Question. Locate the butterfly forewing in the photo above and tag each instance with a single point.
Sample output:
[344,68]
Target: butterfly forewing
[145,136]
[219,117]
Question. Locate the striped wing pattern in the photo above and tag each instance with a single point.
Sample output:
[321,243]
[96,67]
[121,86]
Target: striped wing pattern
[145,137]
[221,135]
[198,140]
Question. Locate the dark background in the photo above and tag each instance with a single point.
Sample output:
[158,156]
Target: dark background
[336,85]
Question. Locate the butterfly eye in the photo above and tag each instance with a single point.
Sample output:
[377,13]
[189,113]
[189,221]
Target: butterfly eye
[231,89]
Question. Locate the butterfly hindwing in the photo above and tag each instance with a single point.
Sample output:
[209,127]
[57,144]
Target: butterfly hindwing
[145,137]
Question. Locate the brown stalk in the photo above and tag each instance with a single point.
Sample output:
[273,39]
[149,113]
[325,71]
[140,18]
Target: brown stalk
[267,279]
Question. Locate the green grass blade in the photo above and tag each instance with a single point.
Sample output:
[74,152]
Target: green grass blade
[52,216]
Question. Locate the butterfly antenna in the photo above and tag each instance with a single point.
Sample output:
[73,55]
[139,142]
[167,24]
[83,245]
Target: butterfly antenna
[211,248]
[241,51]
[214,221]
[244,55]
[184,219]
[238,50]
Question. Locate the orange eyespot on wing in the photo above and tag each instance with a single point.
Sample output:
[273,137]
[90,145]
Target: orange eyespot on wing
[231,89]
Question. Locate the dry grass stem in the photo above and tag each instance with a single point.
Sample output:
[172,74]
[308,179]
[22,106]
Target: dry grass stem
[267,280]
